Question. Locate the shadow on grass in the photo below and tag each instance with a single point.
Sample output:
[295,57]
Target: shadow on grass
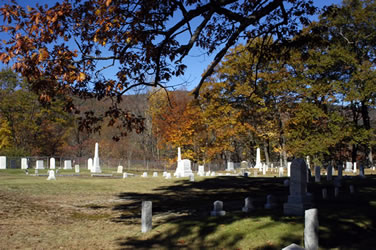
[181,215]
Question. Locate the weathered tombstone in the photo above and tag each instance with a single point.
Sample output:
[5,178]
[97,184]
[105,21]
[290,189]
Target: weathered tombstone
[144,174]
[192,177]
[329,173]
[52,163]
[373,168]
[264,169]
[120,169]
[183,166]
[298,200]
[89,164]
[164,174]
[168,176]
[146,216]
[311,229]
[354,171]
[218,209]
[3,162]
[207,173]
[255,173]
[77,168]
[51,175]
[271,202]
[125,175]
[24,163]
[288,169]
[280,173]
[340,171]
[361,171]
[324,192]
[230,166]
[248,205]
[258,158]
[317,173]
[348,167]
[155,174]
[244,164]
[212,173]
[201,170]
[96,166]
[39,164]
[67,164]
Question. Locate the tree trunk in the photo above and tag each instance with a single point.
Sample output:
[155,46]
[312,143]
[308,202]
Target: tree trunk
[266,152]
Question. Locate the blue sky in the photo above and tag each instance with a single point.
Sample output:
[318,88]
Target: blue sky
[197,61]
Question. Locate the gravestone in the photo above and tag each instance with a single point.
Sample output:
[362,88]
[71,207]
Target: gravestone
[89,164]
[67,164]
[207,173]
[245,174]
[39,164]
[298,200]
[329,173]
[192,177]
[51,175]
[120,169]
[248,205]
[144,174]
[155,174]
[271,202]
[24,164]
[168,176]
[218,209]
[244,164]
[201,170]
[146,216]
[288,169]
[183,166]
[317,173]
[77,168]
[354,171]
[348,167]
[340,171]
[311,229]
[164,174]
[52,163]
[36,171]
[280,173]
[3,162]
[258,158]
[264,169]
[96,166]
[255,173]
[125,175]
[212,173]
[230,166]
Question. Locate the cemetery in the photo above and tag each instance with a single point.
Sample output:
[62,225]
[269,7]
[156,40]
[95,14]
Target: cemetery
[67,208]
[215,124]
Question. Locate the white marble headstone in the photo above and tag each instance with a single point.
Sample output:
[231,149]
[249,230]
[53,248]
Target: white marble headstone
[67,164]
[39,164]
[52,163]
[24,163]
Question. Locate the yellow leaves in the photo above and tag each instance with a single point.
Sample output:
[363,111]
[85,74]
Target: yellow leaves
[108,2]
[43,54]
[81,77]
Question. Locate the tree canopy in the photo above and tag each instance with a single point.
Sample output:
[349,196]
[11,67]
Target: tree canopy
[66,49]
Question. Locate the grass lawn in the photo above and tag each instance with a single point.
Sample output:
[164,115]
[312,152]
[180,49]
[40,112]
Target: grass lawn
[82,212]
